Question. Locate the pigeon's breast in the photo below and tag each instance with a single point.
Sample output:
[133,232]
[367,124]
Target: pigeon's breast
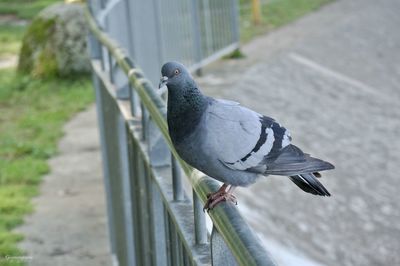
[190,147]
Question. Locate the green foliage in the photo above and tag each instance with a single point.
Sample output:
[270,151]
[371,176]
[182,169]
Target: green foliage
[274,14]
[24,9]
[38,34]
[237,54]
[33,112]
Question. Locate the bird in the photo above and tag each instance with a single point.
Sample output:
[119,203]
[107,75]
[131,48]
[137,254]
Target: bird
[231,143]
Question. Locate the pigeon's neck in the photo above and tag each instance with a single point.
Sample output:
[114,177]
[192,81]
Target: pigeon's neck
[185,109]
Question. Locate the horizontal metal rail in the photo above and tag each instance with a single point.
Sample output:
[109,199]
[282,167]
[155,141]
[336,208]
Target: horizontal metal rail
[237,235]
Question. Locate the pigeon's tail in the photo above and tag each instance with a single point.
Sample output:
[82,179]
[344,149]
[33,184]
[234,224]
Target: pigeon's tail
[301,168]
[292,161]
[309,184]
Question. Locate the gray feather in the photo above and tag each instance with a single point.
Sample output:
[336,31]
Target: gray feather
[308,183]
[292,161]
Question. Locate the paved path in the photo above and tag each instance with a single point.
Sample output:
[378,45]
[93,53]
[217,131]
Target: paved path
[69,225]
[333,78]
[7,62]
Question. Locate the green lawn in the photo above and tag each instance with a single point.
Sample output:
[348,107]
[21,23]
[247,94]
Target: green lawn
[10,39]
[274,13]
[32,115]
[11,34]
[24,9]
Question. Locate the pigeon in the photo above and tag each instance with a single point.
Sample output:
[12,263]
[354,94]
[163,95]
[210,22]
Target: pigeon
[231,143]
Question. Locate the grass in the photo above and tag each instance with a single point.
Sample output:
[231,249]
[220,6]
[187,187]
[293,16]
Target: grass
[11,35]
[274,13]
[32,112]
[24,9]
[10,39]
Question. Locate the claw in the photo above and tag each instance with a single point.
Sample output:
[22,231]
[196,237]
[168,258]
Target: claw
[213,199]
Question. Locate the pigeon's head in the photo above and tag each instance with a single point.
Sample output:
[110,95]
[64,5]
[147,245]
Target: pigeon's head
[175,75]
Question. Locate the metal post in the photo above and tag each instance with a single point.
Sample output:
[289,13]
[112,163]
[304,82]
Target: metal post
[95,53]
[105,164]
[131,48]
[94,47]
[132,100]
[145,118]
[136,202]
[159,33]
[200,229]
[235,21]
[173,244]
[159,237]
[176,179]
[196,30]
[208,27]
[110,66]
[159,152]
[126,191]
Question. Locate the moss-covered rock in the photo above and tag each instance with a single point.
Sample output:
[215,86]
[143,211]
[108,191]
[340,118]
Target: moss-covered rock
[55,43]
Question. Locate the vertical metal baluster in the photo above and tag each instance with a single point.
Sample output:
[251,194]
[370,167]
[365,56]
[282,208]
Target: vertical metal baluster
[159,35]
[111,134]
[154,237]
[200,229]
[176,179]
[131,46]
[167,237]
[96,53]
[110,65]
[126,189]
[103,63]
[235,21]
[180,249]
[224,29]
[132,101]
[145,117]
[174,244]
[208,27]
[159,237]
[105,164]
[137,205]
[144,213]
[185,257]
[196,28]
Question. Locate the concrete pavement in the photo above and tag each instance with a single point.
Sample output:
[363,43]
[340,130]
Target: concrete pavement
[69,225]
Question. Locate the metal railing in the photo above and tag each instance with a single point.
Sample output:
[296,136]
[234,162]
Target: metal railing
[156,31]
[152,219]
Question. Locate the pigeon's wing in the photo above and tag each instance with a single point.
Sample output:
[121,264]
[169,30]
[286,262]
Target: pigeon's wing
[241,138]
[292,161]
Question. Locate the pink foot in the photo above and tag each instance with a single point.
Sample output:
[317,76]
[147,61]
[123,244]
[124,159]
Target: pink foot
[213,199]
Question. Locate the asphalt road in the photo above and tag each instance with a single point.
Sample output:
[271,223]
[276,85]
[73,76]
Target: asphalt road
[332,78]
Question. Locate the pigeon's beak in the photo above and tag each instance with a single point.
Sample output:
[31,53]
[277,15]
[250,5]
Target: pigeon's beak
[163,82]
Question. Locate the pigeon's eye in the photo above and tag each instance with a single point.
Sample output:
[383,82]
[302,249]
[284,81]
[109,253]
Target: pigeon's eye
[176,72]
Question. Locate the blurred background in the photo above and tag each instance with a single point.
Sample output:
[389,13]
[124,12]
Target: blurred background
[329,70]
